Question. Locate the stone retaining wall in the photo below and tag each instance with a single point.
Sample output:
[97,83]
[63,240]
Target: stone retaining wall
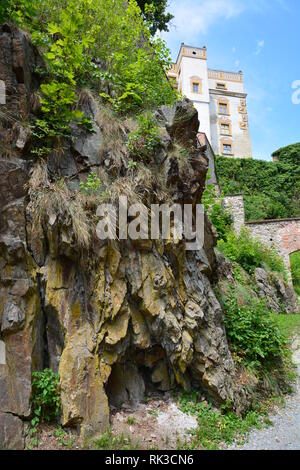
[284,234]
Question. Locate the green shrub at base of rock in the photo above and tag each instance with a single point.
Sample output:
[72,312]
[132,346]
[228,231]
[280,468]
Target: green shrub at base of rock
[45,400]
[257,339]
[45,395]
[215,427]
[251,330]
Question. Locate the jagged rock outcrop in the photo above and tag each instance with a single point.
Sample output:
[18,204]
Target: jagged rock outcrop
[279,296]
[19,296]
[11,432]
[111,317]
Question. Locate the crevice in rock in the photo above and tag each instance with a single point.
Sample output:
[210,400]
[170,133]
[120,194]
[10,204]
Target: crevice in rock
[49,334]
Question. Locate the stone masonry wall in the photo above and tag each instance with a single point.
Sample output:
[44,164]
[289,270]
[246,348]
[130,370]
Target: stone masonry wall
[235,205]
[284,234]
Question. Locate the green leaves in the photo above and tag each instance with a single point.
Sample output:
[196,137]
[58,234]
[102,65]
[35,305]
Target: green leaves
[84,44]
[45,400]
[250,253]
[220,218]
[295,268]
[53,28]
[215,427]
[143,142]
[155,14]
[271,189]
[251,330]
[92,185]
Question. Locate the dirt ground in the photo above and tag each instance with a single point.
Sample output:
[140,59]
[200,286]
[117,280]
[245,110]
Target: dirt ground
[157,423]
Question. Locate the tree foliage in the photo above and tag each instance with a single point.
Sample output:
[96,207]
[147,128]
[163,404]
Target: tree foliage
[154,12]
[85,45]
[271,189]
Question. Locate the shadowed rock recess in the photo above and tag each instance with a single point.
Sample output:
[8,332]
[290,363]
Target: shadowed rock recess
[112,318]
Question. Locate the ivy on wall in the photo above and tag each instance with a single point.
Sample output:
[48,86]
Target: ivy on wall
[271,189]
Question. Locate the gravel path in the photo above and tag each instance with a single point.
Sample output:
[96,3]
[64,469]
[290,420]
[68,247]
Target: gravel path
[285,432]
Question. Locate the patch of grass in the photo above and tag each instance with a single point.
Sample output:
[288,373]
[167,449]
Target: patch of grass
[288,324]
[63,437]
[55,200]
[111,441]
[216,427]
[153,412]
[295,268]
[131,420]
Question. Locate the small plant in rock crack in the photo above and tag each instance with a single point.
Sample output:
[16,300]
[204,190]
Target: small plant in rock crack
[45,400]
[92,185]
[132,165]
[143,142]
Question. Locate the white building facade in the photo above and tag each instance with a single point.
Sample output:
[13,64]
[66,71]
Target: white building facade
[219,98]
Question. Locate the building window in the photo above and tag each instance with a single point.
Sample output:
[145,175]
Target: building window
[225,128]
[221,86]
[223,108]
[227,149]
[196,85]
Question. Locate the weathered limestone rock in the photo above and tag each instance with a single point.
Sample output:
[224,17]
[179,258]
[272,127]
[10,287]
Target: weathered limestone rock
[19,298]
[84,401]
[13,318]
[116,318]
[11,432]
[181,121]
[279,296]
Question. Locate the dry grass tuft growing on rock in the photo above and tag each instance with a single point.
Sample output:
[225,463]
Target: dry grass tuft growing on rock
[141,185]
[114,131]
[52,203]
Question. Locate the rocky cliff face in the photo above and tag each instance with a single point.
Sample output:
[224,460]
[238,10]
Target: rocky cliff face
[112,318]
[279,296]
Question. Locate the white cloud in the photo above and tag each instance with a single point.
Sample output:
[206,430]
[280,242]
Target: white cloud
[259,46]
[194,17]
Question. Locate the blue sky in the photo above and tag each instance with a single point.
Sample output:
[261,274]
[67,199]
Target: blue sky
[259,37]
